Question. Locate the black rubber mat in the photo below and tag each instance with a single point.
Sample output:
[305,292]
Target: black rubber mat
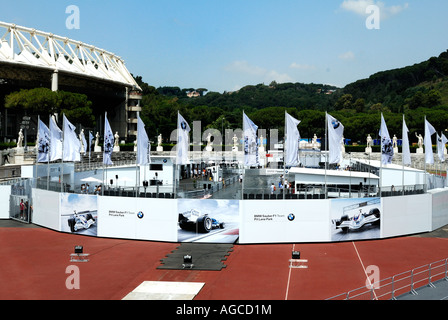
[203,257]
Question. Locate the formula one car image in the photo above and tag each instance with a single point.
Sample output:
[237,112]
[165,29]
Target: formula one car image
[359,220]
[82,220]
[193,220]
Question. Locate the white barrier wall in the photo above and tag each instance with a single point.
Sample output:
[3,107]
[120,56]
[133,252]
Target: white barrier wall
[46,209]
[277,221]
[137,218]
[249,221]
[406,215]
[5,192]
[439,208]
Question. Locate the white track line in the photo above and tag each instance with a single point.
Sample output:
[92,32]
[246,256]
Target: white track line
[365,272]
[289,278]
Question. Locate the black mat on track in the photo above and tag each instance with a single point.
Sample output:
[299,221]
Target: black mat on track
[204,256]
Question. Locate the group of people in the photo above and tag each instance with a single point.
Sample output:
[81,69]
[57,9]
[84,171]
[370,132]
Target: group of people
[198,173]
[85,189]
[283,185]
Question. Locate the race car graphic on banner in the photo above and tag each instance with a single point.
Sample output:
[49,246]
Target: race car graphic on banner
[356,219]
[211,221]
[79,214]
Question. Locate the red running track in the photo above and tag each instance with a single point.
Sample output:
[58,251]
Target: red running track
[34,262]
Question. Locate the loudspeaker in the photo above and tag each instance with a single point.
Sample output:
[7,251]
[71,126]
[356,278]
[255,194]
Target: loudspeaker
[296,255]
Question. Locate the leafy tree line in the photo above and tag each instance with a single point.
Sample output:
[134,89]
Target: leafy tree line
[44,102]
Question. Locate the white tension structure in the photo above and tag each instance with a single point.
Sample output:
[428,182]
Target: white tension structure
[25,46]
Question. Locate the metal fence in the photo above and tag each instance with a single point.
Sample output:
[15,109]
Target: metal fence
[404,283]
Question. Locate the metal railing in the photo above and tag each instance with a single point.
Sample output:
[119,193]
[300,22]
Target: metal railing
[403,283]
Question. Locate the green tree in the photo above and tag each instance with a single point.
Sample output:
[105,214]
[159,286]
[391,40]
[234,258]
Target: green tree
[44,102]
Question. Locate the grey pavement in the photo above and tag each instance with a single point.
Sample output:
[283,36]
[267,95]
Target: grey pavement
[438,292]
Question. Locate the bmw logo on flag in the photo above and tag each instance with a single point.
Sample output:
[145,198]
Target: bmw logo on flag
[291,217]
[336,124]
[140,215]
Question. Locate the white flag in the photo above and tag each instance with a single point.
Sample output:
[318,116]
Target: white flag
[91,137]
[250,142]
[292,141]
[143,146]
[43,149]
[429,131]
[72,146]
[387,152]
[335,134]
[405,147]
[441,142]
[183,140]
[55,140]
[108,142]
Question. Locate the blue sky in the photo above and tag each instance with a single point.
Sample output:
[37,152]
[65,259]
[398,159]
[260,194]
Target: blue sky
[224,45]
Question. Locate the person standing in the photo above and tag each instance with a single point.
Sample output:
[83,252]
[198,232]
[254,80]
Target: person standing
[22,208]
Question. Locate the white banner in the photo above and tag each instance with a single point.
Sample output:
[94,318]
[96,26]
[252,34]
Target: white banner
[387,148]
[43,147]
[280,221]
[108,142]
[335,135]
[72,146]
[143,146]
[429,131]
[441,142]
[405,147]
[292,141]
[56,139]
[138,218]
[250,142]
[183,141]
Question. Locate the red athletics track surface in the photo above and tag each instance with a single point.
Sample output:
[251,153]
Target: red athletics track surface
[34,261]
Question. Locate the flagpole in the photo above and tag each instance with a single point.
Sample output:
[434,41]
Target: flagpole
[402,158]
[90,147]
[62,159]
[284,158]
[37,151]
[137,182]
[244,162]
[426,181]
[326,154]
[381,156]
[49,156]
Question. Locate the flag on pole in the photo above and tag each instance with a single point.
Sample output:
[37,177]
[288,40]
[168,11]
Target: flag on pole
[441,142]
[143,146]
[183,139]
[335,134]
[405,147]
[108,142]
[55,140]
[91,137]
[429,131]
[387,148]
[72,146]
[43,149]
[250,142]
[292,141]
